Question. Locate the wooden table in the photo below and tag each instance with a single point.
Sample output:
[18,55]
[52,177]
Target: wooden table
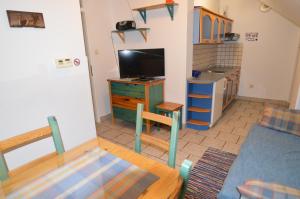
[168,186]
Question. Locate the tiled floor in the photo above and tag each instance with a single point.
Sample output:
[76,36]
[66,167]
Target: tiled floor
[228,134]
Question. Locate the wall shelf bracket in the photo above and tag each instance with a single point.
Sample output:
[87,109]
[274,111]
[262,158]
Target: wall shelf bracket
[143,14]
[142,31]
[171,10]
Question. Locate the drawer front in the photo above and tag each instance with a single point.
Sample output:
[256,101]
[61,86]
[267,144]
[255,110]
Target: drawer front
[129,90]
[126,102]
[201,89]
[124,114]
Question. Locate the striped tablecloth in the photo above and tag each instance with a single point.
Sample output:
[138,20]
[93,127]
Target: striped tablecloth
[96,174]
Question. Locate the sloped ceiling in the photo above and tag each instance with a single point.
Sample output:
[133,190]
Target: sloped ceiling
[289,9]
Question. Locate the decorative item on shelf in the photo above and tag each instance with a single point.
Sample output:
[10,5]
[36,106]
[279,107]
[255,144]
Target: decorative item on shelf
[169,1]
[126,25]
[19,19]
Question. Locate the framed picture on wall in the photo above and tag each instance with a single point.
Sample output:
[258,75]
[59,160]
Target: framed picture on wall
[21,19]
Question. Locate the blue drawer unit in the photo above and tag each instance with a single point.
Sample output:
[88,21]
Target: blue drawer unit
[199,105]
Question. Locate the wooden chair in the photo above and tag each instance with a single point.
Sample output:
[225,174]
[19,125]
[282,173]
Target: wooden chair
[170,147]
[167,108]
[28,138]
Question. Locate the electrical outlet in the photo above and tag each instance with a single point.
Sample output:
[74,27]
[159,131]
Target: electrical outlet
[251,86]
[64,63]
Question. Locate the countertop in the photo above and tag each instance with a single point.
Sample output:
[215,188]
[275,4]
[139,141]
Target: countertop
[211,77]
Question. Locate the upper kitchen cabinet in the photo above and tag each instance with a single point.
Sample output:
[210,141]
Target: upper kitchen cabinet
[210,27]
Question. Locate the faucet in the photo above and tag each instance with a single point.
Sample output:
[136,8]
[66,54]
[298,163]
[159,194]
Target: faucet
[210,66]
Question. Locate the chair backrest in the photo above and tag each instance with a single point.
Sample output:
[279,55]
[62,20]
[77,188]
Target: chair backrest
[173,122]
[28,138]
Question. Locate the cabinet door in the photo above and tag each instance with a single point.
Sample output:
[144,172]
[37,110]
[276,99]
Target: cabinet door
[216,35]
[222,32]
[206,27]
[196,32]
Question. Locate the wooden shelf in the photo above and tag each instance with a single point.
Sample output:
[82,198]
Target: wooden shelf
[199,110]
[143,10]
[198,122]
[200,96]
[121,33]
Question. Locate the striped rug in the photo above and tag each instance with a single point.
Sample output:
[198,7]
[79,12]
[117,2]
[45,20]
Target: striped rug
[208,175]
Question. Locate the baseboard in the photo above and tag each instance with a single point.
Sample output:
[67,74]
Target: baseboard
[269,101]
[105,117]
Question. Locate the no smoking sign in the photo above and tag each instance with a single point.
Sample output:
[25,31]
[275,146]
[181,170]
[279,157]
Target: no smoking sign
[76,62]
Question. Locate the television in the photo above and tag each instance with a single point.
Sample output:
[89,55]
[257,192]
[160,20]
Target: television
[142,63]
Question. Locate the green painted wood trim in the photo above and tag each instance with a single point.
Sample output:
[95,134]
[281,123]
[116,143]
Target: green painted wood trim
[124,114]
[171,11]
[185,171]
[173,139]
[129,90]
[56,135]
[3,168]
[180,119]
[156,97]
[139,128]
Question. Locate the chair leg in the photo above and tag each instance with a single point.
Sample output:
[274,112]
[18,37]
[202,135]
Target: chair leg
[3,168]
[185,170]
[173,140]
[180,120]
[139,128]
[56,135]
[158,124]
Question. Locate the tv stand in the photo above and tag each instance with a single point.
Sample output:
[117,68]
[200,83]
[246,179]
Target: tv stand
[126,94]
[143,79]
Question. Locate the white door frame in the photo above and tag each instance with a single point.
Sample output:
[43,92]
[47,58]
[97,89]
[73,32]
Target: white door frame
[90,67]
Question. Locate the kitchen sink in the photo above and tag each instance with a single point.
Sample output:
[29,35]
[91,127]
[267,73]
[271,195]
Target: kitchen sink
[217,71]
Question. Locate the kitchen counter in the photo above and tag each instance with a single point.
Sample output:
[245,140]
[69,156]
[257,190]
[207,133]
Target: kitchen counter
[214,74]
[207,78]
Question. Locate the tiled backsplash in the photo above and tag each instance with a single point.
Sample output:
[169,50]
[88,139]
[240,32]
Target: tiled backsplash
[204,55]
[230,54]
[222,55]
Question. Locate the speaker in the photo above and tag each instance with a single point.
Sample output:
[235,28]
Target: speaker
[126,25]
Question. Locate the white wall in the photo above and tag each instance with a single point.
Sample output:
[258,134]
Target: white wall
[213,5]
[31,86]
[298,101]
[99,23]
[295,94]
[268,64]
[175,36]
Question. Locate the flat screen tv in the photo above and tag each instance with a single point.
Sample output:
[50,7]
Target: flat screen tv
[142,63]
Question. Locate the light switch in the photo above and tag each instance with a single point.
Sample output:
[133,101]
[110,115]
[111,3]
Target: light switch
[64,63]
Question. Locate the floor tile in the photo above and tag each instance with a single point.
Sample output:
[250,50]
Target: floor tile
[228,137]
[228,134]
[215,143]
[124,139]
[194,149]
[232,148]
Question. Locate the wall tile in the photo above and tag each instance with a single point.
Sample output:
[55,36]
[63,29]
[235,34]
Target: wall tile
[226,55]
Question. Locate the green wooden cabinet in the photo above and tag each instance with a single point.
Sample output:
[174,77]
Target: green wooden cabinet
[125,95]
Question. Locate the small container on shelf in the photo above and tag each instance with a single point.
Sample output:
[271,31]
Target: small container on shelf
[196,73]
[169,1]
